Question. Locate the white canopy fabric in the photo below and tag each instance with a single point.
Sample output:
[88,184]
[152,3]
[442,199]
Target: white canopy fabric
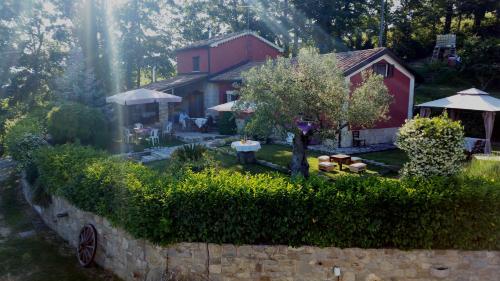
[142,96]
[471,99]
[228,107]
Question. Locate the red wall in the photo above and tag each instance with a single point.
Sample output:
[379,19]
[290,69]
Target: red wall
[185,60]
[399,88]
[226,55]
[223,87]
[239,50]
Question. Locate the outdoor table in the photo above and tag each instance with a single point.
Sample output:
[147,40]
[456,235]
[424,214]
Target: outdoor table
[142,132]
[200,122]
[340,159]
[246,150]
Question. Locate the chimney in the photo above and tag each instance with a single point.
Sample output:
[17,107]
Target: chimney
[154,73]
[209,32]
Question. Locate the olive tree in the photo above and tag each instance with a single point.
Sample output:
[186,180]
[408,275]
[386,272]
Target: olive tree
[307,95]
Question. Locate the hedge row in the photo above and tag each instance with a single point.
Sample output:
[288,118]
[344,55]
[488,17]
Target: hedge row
[228,207]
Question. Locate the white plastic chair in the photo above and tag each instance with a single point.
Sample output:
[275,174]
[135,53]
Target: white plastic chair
[167,129]
[289,138]
[127,135]
[138,126]
[154,137]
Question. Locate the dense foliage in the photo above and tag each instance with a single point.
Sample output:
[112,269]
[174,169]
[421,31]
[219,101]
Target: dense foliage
[227,207]
[227,124]
[435,146]
[22,135]
[77,123]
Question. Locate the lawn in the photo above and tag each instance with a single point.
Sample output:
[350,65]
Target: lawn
[395,157]
[282,155]
[226,161]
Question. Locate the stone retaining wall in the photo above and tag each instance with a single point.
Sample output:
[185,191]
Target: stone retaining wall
[133,259]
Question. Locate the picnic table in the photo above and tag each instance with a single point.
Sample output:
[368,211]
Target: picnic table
[340,159]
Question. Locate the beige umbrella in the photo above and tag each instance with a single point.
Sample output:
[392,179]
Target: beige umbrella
[142,96]
[229,107]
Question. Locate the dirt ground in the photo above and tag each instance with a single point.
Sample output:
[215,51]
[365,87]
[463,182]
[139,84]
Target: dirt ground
[29,250]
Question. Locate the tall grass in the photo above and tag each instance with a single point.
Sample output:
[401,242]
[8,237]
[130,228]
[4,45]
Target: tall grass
[487,169]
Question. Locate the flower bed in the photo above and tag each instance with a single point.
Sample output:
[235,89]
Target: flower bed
[229,207]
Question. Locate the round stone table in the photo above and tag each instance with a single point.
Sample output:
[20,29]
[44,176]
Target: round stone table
[246,151]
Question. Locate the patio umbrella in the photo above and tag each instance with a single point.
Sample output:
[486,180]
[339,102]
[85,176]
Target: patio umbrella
[228,107]
[142,96]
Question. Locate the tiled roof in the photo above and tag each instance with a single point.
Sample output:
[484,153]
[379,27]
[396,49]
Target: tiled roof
[235,73]
[213,40]
[349,62]
[177,81]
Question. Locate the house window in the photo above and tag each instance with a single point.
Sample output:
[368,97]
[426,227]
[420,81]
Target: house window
[231,96]
[384,69]
[196,63]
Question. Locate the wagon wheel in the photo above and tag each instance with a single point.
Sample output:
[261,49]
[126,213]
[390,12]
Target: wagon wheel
[87,245]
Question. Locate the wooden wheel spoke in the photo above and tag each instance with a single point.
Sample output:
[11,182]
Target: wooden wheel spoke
[87,245]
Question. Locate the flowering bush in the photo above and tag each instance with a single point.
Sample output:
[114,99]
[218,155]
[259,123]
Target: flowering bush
[434,146]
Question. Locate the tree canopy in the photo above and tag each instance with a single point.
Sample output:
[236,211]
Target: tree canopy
[307,95]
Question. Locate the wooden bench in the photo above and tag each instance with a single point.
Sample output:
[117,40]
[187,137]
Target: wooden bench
[326,166]
[357,167]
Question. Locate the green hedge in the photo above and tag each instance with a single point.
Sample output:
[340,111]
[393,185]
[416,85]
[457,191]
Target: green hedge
[74,122]
[227,207]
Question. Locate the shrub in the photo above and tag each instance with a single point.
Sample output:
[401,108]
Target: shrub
[434,146]
[70,123]
[195,157]
[24,149]
[22,136]
[221,206]
[227,124]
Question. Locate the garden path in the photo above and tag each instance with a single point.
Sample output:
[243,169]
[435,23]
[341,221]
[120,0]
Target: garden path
[29,250]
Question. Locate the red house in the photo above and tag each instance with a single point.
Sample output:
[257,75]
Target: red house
[208,68]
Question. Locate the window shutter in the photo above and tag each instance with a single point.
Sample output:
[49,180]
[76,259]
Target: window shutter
[390,70]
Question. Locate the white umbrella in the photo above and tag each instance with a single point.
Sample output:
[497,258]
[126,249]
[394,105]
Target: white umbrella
[228,107]
[142,96]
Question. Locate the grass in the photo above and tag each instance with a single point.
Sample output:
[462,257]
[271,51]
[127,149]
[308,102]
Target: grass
[40,257]
[226,161]
[282,155]
[395,157]
[487,169]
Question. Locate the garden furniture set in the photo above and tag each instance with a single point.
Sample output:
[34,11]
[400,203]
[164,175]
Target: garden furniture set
[328,163]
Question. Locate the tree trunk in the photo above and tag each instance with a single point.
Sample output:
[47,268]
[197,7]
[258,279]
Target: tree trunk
[299,165]
[448,17]
[478,18]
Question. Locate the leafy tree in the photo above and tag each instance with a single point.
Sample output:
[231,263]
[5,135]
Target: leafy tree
[481,59]
[79,83]
[310,91]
